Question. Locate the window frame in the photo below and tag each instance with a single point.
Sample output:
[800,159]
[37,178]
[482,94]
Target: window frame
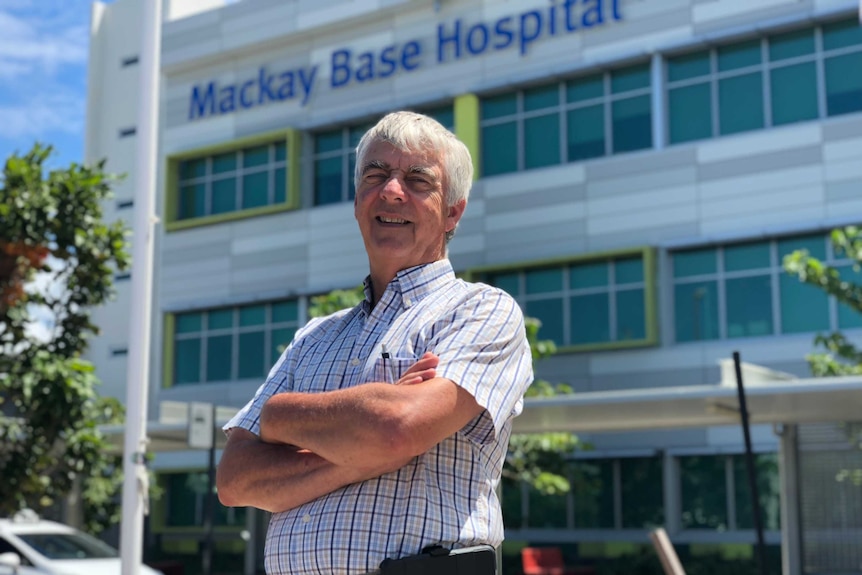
[648,284]
[171,338]
[290,137]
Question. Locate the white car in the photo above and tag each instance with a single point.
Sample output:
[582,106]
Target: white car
[33,546]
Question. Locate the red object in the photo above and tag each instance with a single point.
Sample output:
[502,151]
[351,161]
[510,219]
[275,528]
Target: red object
[548,561]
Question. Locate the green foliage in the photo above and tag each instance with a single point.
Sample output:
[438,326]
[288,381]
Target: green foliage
[841,357]
[538,459]
[60,260]
[334,301]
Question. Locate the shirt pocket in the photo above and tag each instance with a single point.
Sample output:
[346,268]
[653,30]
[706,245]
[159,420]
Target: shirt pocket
[390,369]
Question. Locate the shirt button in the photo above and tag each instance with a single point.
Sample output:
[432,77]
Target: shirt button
[306,518]
[354,362]
[407,301]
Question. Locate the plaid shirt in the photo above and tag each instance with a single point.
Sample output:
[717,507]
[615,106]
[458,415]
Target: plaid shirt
[445,496]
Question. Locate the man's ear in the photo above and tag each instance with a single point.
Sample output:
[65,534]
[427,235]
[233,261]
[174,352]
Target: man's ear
[454,214]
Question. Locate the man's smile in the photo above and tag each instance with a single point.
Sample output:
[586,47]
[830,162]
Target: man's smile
[391,220]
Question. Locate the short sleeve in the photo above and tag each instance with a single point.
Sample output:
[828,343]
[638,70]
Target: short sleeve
[483,348]
[279,380]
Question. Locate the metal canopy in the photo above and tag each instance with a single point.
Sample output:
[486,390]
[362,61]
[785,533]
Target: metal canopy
[772,397]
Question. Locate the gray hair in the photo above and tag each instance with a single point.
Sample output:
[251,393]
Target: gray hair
[412,132]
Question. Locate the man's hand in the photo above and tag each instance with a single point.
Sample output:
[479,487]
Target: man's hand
[423,370]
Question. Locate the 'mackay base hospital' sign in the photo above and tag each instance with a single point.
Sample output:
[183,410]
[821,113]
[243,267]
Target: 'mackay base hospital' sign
[453,42]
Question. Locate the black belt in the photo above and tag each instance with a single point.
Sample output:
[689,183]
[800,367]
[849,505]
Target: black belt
[436,560]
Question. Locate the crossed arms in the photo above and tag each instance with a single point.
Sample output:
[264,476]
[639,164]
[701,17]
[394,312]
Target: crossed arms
[311,444]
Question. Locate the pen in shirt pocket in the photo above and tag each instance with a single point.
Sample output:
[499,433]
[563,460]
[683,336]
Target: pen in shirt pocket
[388,365]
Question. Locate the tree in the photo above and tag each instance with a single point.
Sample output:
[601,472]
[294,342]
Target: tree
[57,261]
[537,459]
[840,356]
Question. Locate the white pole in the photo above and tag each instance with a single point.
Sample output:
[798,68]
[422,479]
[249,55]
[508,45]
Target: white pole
[135,484]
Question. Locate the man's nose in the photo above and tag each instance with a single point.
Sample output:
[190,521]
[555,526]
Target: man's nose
[393,190]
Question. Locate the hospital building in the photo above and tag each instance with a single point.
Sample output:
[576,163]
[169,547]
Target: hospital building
[642,169]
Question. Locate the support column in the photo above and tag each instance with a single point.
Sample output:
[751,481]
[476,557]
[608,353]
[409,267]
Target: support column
[791,518]
[672,512]
[658,108]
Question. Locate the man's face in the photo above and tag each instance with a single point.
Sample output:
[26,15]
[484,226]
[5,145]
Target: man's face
[401,208]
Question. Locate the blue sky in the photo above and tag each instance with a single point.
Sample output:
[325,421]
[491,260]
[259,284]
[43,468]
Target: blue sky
[43,76]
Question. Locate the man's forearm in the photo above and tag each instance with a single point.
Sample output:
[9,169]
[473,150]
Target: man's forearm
[371,424]
[342,426]
[277,477]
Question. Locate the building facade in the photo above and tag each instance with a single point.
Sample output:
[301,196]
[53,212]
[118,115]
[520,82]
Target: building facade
[643,166]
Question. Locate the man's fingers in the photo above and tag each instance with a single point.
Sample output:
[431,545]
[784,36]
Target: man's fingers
[417,377]
[423,370]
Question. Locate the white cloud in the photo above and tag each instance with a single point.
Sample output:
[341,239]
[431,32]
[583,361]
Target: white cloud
[40,45]
[43,56]
[42,115]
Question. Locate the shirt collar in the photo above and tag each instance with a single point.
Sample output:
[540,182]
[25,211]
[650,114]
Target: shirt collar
[413,284]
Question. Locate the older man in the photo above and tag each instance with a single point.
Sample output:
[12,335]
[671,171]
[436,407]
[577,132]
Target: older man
[382,429]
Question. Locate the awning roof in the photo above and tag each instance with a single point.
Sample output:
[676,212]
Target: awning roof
[771,397]
[795,401]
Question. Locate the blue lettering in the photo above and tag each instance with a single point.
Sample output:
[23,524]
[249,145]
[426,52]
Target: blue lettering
[388,64]
[527,37]
[365,71]
[227,100]
[570,22]
[286,89]
[264,86]
[593,15]
[340,68]
[202,104]
[503,29]
[411,51]
[443,41]
[473,47]
[243,92]
[307,83]
[616,10]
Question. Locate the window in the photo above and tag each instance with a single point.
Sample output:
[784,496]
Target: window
[335,157]
[586,117]
[185,498]
[842,45]
[583,303]
[129,61]
[769,81]
[232,343]
[334,164]
[126,132]
[593,490]
[231,181]
[642,492]
[715,492]
[625,493]
[123,204]
[742,290]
